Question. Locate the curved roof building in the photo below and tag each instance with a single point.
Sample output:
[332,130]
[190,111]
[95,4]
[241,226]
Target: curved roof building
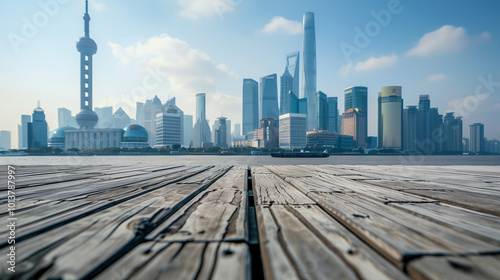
[57,137]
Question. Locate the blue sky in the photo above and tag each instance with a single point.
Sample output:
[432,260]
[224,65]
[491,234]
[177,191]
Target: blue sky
[448,50]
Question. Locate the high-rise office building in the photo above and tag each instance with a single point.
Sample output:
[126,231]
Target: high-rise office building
[410,124]
[353,124]
[22,132]
[333,113]
[5,140]
[121,119]
[86,118]
[105,115]
[303,106]
[201,131]
[236,130]
[309,69]
[357,97]
[250,105]
[171,103]
[293,66]
[437,132]
[64,117]
[37,130]
[188,130]
[286,87]
[169,127]
[151,108]
[139,113]
[268,97]
[390,118]
[268,134]
[220,133]
[322,112]
[453,130]
[477,141]
[292,131]
[424,124]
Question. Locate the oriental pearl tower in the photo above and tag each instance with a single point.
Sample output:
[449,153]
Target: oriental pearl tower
[86,118]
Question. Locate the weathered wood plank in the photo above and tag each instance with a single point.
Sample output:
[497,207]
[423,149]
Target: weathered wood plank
[396,234]
[82,245]
[270,189]
[466,268]
[216,214]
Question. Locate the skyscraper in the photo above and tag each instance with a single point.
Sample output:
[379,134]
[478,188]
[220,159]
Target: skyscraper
[121,119]
[286,87]
[293,66]
[390,118]
[105,115]
[410,124]
[353,122]
[333,113]
[86,118]
[322,114]
[424,123]
[357,97]
[188,130]
[476,142]
[5,142]
[309,66]
[151,108]
[292,131]
[171,103]
[453,130]
[64,118]
[437,132]
[37,130]
[250,105]
[201,131]
[23,132]
[268,97]
[169,127]
[139,113]
[220,133]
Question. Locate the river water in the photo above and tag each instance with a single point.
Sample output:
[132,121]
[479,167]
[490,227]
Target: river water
[250,160]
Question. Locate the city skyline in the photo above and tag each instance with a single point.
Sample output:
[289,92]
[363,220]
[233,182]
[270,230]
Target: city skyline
[114,79]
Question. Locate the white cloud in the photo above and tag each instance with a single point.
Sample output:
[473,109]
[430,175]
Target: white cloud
[195,9]
[98,6]
[185,70]
[346,69]
[376,62]
[281,24]
[438,78]
[446,39]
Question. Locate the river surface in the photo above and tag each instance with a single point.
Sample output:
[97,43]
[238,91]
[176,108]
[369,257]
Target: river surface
[249,160]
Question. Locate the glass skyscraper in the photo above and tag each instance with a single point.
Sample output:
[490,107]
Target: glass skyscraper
[410,124]
[477,143]
[201,131]
[250,105]
[268,97]
[37,130]
[309,66]
[333,113]
[293,66]
[357,98]
[322,121]
[286,87]
[390,118]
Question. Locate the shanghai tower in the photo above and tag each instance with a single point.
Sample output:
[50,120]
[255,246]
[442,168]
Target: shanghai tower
[87,47]
[309,68]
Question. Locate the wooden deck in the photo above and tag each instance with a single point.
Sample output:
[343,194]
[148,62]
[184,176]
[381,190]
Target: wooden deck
[270,222]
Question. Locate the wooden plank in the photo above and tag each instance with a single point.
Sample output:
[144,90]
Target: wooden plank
[396,234]
[193,260]
[82,245]
[270,189]
[466,268]
[479,225]
[308,254]
[216,214]
[328,183]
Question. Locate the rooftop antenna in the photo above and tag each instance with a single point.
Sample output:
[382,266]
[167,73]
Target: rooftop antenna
[38,103]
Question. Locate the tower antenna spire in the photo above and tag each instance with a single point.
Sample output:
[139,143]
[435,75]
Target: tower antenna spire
[86,18]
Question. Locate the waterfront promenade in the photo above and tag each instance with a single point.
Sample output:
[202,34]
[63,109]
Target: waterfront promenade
[240,222]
